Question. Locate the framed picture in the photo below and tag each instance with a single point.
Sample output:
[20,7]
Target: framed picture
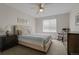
[77,19]
[21,21]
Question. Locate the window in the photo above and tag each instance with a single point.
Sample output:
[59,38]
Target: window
[49,25]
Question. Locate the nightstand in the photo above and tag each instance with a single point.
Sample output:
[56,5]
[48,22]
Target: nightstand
[8,41]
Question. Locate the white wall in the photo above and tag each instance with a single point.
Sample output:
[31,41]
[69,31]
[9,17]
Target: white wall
[73,26]
[8,17]
[62,22]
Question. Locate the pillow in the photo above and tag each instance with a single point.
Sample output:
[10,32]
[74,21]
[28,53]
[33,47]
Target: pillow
[26,32]
[18,32]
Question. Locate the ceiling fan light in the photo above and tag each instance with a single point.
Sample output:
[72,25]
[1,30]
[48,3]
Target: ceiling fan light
[41,10]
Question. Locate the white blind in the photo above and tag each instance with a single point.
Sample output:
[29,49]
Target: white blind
[49,25]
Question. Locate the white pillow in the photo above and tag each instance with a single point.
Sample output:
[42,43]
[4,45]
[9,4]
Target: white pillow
[26,32]
[25,29]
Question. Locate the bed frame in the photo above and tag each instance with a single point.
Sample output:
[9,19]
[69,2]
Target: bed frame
[43,48]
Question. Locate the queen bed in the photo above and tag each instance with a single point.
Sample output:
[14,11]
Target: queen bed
[36,41]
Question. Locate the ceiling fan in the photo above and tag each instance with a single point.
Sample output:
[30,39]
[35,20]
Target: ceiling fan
[41,7]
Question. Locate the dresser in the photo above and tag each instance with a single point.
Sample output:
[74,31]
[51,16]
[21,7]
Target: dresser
[8,41]
[73,43]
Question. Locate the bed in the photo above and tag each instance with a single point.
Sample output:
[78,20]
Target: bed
[36,41]
[40,42]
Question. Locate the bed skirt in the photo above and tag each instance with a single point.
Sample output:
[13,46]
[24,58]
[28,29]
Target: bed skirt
[43,48]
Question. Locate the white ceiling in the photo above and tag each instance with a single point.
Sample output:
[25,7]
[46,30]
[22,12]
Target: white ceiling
[50,8]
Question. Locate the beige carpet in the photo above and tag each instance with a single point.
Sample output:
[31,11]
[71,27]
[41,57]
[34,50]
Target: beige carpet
[57,48]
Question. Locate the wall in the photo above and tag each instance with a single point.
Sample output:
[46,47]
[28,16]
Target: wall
[62,22]
[73,26]
[8,17]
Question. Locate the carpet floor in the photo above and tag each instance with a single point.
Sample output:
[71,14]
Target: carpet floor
[56,48]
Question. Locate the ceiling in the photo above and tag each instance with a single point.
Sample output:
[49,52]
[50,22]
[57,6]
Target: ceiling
[49,9]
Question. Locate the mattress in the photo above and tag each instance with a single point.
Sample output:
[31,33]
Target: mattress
[38,39]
